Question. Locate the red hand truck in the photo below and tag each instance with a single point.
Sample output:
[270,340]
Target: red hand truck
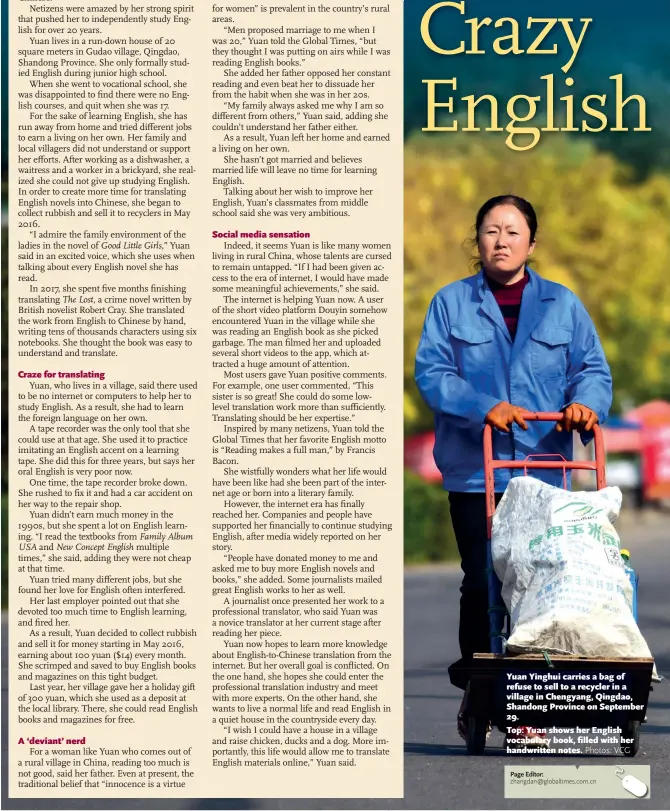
[497,611]
[491,464]
[485,694]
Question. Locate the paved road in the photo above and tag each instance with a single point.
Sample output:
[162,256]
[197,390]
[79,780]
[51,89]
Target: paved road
[438,773]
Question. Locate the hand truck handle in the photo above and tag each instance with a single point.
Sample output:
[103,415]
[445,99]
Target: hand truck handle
[490,465]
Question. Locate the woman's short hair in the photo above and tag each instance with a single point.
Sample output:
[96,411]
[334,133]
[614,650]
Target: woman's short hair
[504,200]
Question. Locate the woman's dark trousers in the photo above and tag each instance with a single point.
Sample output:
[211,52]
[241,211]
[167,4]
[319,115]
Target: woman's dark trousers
[468,517]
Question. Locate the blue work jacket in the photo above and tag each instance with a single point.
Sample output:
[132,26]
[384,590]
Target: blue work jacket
[466,363]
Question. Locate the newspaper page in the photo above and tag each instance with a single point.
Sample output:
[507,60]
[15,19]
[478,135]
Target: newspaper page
[205,282]
[295,297]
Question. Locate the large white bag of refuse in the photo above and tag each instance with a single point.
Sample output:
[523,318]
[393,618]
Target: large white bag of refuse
[563,581]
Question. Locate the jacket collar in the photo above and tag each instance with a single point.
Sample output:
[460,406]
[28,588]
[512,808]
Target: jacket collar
[536,294]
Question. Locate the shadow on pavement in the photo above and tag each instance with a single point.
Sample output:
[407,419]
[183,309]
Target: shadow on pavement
[651,729]
[434,750]
[222,803]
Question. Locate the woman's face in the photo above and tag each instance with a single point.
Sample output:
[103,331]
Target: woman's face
[504,239]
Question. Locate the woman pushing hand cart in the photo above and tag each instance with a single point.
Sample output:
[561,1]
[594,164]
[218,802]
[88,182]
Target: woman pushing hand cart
[494,347]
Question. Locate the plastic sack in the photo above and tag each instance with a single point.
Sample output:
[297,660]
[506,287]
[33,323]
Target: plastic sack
[558,558]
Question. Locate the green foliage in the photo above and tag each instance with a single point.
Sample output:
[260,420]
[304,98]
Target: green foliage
[429,535]
[601,234]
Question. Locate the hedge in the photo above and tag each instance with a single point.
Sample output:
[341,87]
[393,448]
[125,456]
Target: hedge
[428,532]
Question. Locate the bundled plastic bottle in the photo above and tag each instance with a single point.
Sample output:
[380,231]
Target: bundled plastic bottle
[633,577]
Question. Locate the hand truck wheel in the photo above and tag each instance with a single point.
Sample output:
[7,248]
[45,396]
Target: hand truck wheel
[631,731]
[476,739]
